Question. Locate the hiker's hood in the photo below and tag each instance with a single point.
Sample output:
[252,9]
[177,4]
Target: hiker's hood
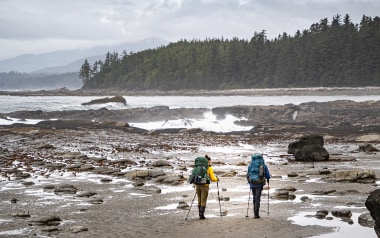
[256,157]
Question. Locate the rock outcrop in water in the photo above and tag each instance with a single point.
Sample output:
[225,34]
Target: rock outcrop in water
[157,113]
[337,118]
[341,113]
[116,99]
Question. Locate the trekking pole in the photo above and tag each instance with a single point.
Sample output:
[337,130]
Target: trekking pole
[191,205]
[268,198]
[249,197]
[220,208]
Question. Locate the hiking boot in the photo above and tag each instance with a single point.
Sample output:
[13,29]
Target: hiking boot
[256,215]
[202,212]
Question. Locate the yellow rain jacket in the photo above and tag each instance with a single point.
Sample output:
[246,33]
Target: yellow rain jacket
[210,173]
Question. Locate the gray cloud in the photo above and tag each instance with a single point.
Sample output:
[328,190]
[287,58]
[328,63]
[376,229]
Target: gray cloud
[36,26]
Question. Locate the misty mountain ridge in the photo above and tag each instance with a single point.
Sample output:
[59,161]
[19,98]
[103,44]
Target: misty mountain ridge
[72,67]
[64,61]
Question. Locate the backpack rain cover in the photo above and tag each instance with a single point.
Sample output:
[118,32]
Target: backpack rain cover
[256,170]
[199,173]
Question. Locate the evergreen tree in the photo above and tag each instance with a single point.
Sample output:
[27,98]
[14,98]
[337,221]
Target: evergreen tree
[85,72]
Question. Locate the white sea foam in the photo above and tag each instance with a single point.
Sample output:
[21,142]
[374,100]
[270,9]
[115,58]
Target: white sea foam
[10,121]
[208,123]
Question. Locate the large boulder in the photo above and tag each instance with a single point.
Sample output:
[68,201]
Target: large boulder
[311,153]
[309,148]
[373,205]
[368,148]
[305,141]
[353,176]
[144,174]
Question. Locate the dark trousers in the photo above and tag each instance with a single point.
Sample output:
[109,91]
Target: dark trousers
[256,193]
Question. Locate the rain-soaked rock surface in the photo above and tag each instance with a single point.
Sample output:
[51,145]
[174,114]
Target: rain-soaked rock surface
[80,177]
[373,205]
[341,113]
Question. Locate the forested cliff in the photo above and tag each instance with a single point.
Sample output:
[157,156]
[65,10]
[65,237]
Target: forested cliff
[329,54]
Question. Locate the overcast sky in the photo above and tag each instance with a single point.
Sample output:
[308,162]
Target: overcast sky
[38,26]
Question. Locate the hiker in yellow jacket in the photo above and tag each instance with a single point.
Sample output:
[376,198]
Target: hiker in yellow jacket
[202,190]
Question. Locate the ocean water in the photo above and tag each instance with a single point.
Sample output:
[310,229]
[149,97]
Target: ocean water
[59,103]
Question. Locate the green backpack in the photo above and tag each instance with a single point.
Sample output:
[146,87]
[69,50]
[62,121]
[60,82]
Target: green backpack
[199,173]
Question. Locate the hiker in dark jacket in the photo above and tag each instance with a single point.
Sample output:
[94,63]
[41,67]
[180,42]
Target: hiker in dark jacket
[202,190]
[257,182]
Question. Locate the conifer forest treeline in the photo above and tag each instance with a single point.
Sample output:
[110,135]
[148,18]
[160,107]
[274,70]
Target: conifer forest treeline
[329,54]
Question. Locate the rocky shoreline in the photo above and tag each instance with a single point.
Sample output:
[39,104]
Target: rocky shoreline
[342,119]
[83,178]
[114,183]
